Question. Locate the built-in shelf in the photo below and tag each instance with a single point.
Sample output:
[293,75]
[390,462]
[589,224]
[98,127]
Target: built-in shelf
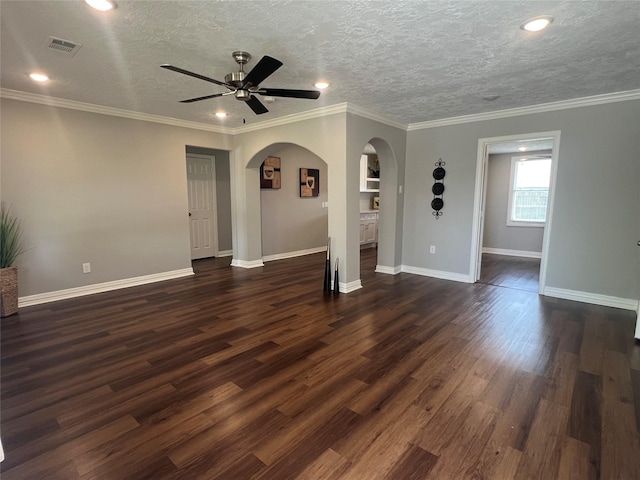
[369,165]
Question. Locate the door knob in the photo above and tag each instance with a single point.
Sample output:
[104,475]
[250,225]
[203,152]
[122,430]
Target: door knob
[190,215]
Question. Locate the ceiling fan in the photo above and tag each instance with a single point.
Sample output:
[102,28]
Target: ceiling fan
[244,86]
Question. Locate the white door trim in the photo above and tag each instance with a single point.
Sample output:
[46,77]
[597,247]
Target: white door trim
[479,199]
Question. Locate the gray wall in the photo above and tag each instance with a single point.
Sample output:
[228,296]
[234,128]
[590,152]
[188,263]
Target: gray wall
[497,234]
[291,223]
[96,188]
[112,191]
[223,193]
[339,140]
[596,222]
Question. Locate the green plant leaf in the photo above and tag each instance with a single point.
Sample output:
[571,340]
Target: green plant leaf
[10,237]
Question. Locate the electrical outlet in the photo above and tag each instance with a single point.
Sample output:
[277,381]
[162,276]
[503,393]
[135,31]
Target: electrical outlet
[86,268]
[432,249]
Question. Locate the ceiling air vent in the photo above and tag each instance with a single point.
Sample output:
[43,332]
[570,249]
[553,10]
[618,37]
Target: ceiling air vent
[64,47]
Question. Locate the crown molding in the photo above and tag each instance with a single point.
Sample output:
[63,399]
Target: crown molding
[322,112]
[115,112]
[371,115]
[293,118]
[542,108]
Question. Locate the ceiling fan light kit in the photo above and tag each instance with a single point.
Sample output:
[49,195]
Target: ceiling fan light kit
[245,86]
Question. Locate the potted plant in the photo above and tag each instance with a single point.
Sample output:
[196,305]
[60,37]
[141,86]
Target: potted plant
[10,248]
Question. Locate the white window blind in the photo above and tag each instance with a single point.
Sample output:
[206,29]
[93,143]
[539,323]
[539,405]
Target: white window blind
[529,191]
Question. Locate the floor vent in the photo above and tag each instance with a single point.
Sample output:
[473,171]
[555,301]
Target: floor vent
[64,47]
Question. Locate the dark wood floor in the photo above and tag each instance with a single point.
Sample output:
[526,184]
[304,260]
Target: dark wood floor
[257,374]
[510,272]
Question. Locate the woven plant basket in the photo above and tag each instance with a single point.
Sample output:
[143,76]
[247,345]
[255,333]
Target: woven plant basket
[8,291]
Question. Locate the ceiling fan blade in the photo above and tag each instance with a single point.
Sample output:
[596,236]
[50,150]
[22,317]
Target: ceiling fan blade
[283,92]
[196,75]
[265,67]
[256,105]
[206,97]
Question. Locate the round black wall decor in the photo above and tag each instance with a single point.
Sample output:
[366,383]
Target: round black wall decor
[438,188]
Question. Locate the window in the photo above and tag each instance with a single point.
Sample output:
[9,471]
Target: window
[529,191]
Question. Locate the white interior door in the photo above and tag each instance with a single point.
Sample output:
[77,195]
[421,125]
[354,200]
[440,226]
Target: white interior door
[202,206]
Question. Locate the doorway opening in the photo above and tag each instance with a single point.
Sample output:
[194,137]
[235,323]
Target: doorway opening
[515,186]
[294,209]
[209,202]
[369,203]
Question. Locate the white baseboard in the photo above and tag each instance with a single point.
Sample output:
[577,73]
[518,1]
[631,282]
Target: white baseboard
[388,270]
[512,253]
[426,272]
[246,264]
[297,253]
[594,298]
[350,287]
[101,287]
[224,253]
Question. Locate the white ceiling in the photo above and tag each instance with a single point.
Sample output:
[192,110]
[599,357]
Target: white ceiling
[514,147]
[407,60]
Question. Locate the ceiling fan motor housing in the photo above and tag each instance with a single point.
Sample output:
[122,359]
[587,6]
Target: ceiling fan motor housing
[235,78]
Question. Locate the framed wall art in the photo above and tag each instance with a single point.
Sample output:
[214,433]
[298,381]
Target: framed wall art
[309,182]
[270,175]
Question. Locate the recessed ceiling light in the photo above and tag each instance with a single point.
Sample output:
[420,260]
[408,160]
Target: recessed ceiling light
[102,5]
[39,77]
[221,114]
[537,23]
[321,85]
[523,148]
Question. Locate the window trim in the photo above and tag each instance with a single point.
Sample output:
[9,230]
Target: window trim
[521,223]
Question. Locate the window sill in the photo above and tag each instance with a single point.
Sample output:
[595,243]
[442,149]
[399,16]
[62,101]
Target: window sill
[526,224]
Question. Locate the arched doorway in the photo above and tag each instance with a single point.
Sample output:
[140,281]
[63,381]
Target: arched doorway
[378,203]
[294,219]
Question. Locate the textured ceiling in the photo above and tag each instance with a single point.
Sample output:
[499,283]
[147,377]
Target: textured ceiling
[409,61]
[514,147]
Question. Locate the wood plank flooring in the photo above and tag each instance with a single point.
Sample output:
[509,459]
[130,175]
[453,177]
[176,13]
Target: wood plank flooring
[511,272]
[258,374]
